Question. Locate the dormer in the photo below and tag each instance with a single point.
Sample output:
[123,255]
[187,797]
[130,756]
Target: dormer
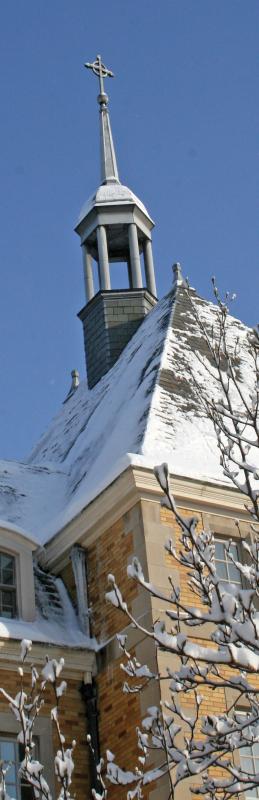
[17,595]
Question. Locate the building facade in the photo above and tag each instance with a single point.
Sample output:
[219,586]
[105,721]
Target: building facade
[86,500]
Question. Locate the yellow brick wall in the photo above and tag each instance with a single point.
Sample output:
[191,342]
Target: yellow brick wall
[109,554]
[72,720]
[214,701]
[167,518]
[119,713]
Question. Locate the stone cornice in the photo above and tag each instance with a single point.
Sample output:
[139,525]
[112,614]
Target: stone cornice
[193,493]
[133,485]
[78,662]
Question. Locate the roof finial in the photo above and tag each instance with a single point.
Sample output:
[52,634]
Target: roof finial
[102,72]
[177,271]
[74,384]
[109,169]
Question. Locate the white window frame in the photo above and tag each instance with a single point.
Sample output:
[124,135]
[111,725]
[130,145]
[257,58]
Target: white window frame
[21,548]
[219,538]
[10,588]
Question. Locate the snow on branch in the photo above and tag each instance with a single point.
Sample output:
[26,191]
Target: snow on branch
[26,707]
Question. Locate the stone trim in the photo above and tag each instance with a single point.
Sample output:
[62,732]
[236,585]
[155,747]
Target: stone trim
[79,663]
[133,485]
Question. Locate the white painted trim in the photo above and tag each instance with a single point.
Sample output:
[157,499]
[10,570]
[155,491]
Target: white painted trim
[21,549]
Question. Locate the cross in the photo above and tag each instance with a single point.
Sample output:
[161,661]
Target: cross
[101,71]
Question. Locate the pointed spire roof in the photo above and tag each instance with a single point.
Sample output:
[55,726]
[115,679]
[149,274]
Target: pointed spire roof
[109,169]
[111,191]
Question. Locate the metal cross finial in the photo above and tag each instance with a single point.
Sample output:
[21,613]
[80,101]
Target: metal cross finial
[101,71]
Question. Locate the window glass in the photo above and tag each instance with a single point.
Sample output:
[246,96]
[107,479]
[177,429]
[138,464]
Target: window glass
[12,753]
[9,754]
[226,569]
[250,764]
[7,586]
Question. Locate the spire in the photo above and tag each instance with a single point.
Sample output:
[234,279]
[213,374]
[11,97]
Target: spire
[113,225]
[109,169]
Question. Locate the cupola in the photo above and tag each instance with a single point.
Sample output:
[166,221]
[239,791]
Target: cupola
[113,225]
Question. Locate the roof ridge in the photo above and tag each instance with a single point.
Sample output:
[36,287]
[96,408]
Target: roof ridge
[175,291]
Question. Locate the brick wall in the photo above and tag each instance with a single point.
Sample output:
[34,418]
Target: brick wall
[119,713]
[167,518]
[109,554]
[214,701]
[72,719]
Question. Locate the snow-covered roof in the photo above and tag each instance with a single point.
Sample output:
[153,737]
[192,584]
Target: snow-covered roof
[111,194]
[143,411]
[28,495]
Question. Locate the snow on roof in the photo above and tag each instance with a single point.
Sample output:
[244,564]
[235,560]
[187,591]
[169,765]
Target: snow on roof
[96,429]
[111,193]
[28,495]
[56,621]
[178,430]
[143,411]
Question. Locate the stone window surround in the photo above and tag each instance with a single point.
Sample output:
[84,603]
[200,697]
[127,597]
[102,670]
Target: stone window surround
[43,732]
[21,548]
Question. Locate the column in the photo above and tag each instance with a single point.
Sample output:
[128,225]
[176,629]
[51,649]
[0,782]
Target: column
[104,272]
[88,273]
[134,257]
[129,274]
[149,267]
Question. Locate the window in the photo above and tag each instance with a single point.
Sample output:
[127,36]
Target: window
[225,568]
[12,753]
[249,760]
[9,728]
[7,586]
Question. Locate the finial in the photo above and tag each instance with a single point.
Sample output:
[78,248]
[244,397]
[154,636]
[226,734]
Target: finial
[109,169]
[75,378]
[74,384]
[102,72]
[177,271]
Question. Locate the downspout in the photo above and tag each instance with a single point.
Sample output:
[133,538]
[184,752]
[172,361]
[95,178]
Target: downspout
[88,687]
[89,695]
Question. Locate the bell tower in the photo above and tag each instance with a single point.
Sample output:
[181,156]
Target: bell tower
[113,225]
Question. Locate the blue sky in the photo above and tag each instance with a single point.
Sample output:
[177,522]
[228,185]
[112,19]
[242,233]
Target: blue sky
[184,111]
